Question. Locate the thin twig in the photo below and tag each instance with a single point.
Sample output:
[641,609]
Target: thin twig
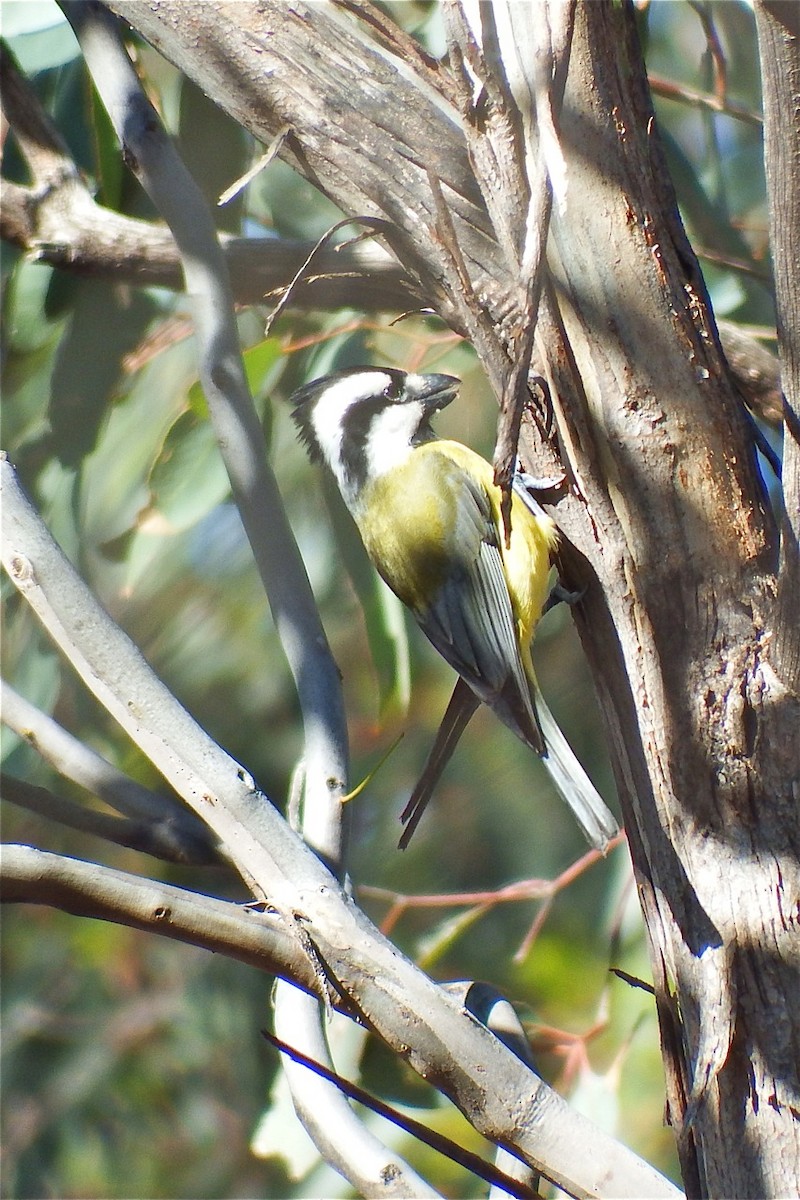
[89,770]
[513,893]
[258,166]
[422,1133]
[302,270]
[686,95]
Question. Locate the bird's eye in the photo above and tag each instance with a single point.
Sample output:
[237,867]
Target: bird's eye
[393,389]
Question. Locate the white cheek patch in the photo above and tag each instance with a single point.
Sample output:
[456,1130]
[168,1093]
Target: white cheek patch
[329,412]
[390,433]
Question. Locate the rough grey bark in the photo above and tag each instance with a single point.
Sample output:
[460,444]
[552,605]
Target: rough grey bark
[703,719]
[778,26]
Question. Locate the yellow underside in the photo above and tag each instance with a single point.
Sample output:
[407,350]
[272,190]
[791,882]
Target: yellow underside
[409,521]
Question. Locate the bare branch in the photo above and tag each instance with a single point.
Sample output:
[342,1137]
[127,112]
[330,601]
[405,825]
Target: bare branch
[686,95]
[533,54]
[393,997]
[233,414]
[156,839]
[88,889]
[756,369]
[241,442]
[114,670]
[178,831]
[43,147]
[492,1009]
[341,1137]
[401,132]
[57,221]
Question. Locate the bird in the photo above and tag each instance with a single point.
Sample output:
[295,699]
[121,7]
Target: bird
[429,515]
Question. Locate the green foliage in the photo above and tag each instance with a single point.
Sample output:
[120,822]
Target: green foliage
[134,1067]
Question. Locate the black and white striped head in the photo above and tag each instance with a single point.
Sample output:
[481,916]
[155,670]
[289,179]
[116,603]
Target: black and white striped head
[364,421]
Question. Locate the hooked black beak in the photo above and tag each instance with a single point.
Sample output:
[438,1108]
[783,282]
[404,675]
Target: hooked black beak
[438,391]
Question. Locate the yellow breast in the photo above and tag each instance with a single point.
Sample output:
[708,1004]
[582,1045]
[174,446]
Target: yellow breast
[425,520]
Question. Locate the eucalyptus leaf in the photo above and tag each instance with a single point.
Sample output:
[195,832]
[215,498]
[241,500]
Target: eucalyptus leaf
[188,478]
[39,35]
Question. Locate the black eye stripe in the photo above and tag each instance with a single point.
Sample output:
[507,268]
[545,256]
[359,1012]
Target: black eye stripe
[356,425]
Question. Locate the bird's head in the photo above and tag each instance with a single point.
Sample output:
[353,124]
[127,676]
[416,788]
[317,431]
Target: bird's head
[363,421]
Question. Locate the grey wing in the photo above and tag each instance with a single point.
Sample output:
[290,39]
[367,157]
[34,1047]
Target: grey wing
[471,622]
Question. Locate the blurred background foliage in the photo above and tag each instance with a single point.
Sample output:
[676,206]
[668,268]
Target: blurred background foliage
[133,1066]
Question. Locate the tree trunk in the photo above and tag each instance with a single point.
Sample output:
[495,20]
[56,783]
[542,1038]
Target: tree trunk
[703,721]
